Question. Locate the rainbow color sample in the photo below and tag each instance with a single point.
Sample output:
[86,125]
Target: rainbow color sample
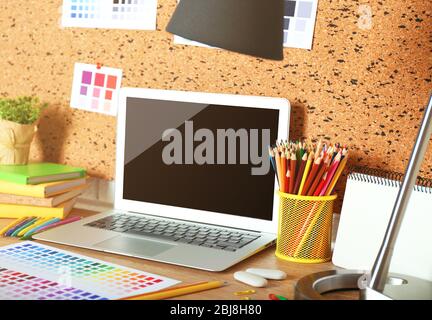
[32,271]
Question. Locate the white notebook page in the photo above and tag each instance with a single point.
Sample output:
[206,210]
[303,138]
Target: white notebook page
[365,214]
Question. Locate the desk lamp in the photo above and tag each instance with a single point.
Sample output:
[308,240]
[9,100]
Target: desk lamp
[253,27]
[379,284]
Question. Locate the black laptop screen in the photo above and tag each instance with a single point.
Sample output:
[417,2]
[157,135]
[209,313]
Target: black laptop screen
[200,156]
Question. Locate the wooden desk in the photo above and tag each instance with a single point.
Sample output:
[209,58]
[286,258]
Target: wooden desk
[264,259]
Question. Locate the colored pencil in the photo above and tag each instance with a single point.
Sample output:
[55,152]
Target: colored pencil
[331,173]
[300,173]
[18,228]
[318,177]
[59,223]
[179,291]
[273,163]
[337,174]
[278,169]
[283,170]
[320,185]
[315,167]
[36,223]
[34,229]
[306,172]
[22,221]
[287,177]
[293,166]
[12,225]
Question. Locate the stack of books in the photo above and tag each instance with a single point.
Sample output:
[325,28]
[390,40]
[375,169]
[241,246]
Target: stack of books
[39,190]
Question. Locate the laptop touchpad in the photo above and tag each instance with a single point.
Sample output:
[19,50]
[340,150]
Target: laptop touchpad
[141,247]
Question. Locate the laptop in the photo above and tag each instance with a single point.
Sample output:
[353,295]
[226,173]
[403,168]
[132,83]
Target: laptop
[194,184]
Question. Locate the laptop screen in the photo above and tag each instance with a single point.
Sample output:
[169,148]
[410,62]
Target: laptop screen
[200,156]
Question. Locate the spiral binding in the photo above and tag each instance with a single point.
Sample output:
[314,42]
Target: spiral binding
[387,178]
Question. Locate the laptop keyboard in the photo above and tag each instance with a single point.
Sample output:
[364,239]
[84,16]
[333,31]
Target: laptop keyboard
[198,235]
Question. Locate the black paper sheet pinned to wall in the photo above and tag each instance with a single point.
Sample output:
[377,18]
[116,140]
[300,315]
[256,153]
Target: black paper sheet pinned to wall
[253,27]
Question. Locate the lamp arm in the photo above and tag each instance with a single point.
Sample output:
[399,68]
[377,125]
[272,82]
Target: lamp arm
[382,262]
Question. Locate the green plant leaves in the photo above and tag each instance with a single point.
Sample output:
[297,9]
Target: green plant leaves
[22,110]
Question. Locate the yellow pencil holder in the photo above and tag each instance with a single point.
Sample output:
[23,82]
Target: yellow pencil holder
[305,228]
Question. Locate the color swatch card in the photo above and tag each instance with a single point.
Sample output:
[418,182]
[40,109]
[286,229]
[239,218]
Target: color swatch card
[96,89]
[110,14]
[32,271]
[299,23]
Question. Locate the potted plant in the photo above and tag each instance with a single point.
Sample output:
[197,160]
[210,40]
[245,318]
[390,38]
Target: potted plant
[18,119]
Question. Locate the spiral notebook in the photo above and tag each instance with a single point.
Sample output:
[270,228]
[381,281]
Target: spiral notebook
[368,203]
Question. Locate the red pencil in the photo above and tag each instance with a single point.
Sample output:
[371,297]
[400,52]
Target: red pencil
[331,173]
[311,176]
[288,177]
[300,173]
[321,185]
[318,177]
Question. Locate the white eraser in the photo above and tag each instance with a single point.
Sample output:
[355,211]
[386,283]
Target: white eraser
[250,279]
[272,274]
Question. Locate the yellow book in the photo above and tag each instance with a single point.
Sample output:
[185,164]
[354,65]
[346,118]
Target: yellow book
[54,201]
[18,211]
[43,190]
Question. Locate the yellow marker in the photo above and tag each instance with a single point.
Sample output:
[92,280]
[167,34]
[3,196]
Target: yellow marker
[34,225]
[11,225]
[242,293]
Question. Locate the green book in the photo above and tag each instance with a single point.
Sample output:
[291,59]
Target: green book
[34,173]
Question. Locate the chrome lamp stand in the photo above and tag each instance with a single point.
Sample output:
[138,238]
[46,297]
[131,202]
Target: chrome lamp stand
[379,284]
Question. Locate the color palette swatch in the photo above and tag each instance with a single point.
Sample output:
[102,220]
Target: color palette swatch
[110,14]
[96,89]
[299,23]
[32,271]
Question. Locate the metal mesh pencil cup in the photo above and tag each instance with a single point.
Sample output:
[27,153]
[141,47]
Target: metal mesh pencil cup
[304,228]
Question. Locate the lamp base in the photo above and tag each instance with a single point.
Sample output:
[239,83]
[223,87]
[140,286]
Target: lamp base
[398,287]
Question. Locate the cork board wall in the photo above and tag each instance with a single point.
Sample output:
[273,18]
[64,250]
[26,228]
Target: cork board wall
[365,87]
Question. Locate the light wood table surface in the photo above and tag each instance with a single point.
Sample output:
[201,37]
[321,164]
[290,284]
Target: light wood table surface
[264,259]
